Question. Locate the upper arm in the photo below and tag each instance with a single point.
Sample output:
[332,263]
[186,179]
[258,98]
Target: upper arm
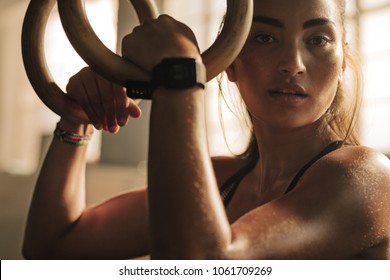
[118,228]
[339,208]
[114,229]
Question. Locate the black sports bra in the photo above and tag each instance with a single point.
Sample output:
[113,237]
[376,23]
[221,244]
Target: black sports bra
[228,189]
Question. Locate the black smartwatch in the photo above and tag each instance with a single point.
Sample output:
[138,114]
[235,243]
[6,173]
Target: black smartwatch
[171,73]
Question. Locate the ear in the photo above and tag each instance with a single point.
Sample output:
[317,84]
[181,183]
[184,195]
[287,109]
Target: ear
[341,74]
[231,73]
[344,65]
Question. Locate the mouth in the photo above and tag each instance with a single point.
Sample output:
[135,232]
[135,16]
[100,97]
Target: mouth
[289,89]
[288,92]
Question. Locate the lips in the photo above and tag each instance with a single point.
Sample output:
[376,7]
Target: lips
[290,89]
[289,94]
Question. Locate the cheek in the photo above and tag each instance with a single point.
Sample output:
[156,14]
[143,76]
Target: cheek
[326,68]
[327,75]
[250,72]
[325,87]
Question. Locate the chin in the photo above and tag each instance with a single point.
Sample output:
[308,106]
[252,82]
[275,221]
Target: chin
[289,123]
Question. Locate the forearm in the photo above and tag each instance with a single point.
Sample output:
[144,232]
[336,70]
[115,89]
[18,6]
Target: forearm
[187,217]
[59,195]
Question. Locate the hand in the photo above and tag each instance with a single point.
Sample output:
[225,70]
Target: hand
[106,104]
[157,39]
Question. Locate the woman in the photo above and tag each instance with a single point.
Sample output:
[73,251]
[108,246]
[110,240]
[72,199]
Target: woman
[306,190]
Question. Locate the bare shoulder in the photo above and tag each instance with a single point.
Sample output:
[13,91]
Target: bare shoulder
[365,166]
[361,171]
[226,166]
[340,209]
[355,182]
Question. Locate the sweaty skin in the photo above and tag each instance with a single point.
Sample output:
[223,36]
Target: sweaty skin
[287,73]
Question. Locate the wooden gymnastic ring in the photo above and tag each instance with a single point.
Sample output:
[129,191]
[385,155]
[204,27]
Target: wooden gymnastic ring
[217,58]
[92,50]
[33,53]
[227,46]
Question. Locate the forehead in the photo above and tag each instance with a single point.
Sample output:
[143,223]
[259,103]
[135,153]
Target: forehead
[298,11]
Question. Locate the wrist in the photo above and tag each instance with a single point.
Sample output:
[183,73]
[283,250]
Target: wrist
[75,128]
[177,98]
[173,74]
[77,135]
[179,73]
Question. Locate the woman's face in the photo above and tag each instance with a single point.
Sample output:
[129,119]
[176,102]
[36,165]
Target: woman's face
[292,62]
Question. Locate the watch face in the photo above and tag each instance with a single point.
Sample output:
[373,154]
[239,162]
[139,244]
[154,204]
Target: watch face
[180,73]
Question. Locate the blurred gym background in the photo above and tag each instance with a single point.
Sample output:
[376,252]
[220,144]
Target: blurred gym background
[118,162]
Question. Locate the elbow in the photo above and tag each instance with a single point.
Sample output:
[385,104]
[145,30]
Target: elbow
[37,254]
[32,250]
[29,253]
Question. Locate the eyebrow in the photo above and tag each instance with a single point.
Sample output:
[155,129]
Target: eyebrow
[317,22]
[269,21]
[280,24]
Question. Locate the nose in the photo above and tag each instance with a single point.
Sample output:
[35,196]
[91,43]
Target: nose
[291,62]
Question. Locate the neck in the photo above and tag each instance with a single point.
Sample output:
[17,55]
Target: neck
[283,152]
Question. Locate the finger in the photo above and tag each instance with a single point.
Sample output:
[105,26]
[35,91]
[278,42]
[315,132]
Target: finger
[133,109]
[93,100]
[77,92]
[131,50]
[121,102]
[108,103]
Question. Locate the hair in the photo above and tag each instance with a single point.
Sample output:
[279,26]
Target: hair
[343,114]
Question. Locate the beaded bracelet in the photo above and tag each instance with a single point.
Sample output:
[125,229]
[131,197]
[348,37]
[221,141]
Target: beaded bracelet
[71,138]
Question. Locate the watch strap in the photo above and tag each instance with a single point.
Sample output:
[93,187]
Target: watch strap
[139,89]
[171,73]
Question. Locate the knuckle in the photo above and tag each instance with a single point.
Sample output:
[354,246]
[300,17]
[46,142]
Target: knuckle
[85,71]
[95,104]
[73,83]
[165,17]
[107,98]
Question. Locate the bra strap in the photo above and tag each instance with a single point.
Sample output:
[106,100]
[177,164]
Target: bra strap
[330,148]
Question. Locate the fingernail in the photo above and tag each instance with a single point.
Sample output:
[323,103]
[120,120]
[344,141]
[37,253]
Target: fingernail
[136,113]
[114,129]
[98,126]
[122,121]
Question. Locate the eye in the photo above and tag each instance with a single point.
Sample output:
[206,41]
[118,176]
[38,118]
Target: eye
[265,39]
[319,41]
